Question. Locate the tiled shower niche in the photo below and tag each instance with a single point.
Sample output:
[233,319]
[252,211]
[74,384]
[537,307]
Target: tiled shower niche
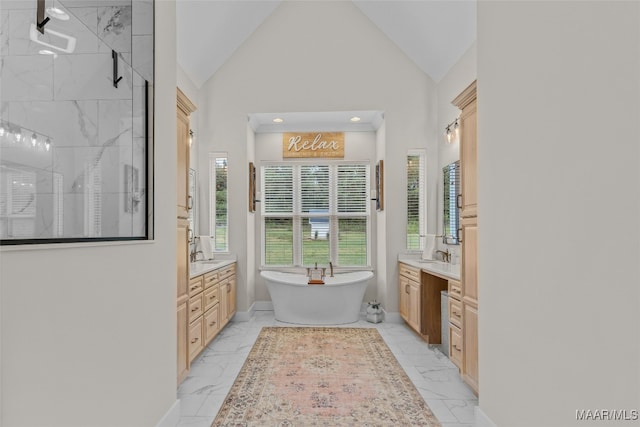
[73,146]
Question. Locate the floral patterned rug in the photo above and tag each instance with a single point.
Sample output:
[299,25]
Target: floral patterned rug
[320,376]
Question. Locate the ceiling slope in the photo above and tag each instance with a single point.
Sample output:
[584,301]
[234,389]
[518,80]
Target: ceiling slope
[433,34]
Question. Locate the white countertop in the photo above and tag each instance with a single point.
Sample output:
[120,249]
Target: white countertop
[200,267]
[437,268]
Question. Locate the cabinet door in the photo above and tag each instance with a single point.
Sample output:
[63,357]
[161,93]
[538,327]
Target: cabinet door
[211,323]
[469,160]
[182,178]
[414,305]
[455,345]
[470,258]
[224,302]
[470,345]
[182,254]
[183,341]
[231,308]
[403,297]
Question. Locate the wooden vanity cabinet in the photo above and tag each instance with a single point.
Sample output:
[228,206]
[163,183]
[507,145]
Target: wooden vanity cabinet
[403,297]
[212,304]
[409,280]
[455,322]
[467,102]
[419,299]
[184,108]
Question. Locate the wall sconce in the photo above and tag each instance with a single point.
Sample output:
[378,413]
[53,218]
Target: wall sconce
[190,137]
[452,131]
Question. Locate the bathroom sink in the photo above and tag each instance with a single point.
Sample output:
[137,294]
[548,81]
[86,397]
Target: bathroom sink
[428,261]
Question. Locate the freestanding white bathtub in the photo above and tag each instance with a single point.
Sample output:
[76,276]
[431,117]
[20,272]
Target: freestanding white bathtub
[336,302]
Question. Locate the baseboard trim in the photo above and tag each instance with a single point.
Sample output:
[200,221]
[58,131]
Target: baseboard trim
[482,420]
[393,317]
[263,306]
[172,417]
[245,316]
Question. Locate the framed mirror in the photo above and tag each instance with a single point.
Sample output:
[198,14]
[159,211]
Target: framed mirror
[451,204]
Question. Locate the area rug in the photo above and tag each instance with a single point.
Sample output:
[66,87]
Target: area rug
[321,376]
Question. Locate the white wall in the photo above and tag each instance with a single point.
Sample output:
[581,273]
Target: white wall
[189,88]
[558,210]
[320,56]
[358,146]
[88,332]
[450,86]
[381,222]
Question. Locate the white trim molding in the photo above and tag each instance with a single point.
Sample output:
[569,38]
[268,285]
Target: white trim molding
[482,420]
[172,417]
[245,316]
[392,317]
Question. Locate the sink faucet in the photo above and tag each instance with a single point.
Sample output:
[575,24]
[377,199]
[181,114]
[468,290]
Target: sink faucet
[330,269]
[446,255]
[194,255]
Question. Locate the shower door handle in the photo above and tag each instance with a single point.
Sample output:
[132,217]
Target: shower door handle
[116,79]
[41,21]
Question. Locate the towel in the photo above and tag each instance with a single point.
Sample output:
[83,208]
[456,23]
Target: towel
[206,246]
[429,246]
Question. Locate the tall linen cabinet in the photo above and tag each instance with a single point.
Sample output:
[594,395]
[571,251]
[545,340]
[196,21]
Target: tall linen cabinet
[184,109]
[467,102]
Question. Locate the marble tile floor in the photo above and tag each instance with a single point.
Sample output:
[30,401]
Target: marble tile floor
[213,372]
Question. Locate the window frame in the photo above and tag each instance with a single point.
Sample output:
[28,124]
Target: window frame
[297,216]
[422,199]
[213,157]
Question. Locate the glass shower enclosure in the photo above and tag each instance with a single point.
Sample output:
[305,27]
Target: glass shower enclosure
[76,102]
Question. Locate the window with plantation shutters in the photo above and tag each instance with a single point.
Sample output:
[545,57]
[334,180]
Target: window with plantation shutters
[218,201]
[315,213]
[416,199]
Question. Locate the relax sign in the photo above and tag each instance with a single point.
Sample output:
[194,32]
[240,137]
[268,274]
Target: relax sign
[313,144]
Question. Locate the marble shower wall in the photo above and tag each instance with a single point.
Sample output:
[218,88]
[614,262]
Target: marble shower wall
[90,182]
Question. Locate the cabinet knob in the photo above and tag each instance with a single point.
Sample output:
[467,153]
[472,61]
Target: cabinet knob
[195,340]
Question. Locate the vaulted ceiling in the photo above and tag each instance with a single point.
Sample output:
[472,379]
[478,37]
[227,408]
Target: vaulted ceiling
[434,34]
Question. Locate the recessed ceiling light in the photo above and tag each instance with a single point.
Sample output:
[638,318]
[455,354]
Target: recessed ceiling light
[58,13]
[278,120]
[355,119]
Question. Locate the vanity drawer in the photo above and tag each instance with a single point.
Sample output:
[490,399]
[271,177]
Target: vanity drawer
[196,307]
[227,271]
[211,323]
[196,285]
[410,272]
[210,279]
[195,338]
[455,345]
[455,290]
[211,297]
[455,312]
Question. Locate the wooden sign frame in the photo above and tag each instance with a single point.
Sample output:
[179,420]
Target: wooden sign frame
[380,186]
[313,145]
[252,187]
